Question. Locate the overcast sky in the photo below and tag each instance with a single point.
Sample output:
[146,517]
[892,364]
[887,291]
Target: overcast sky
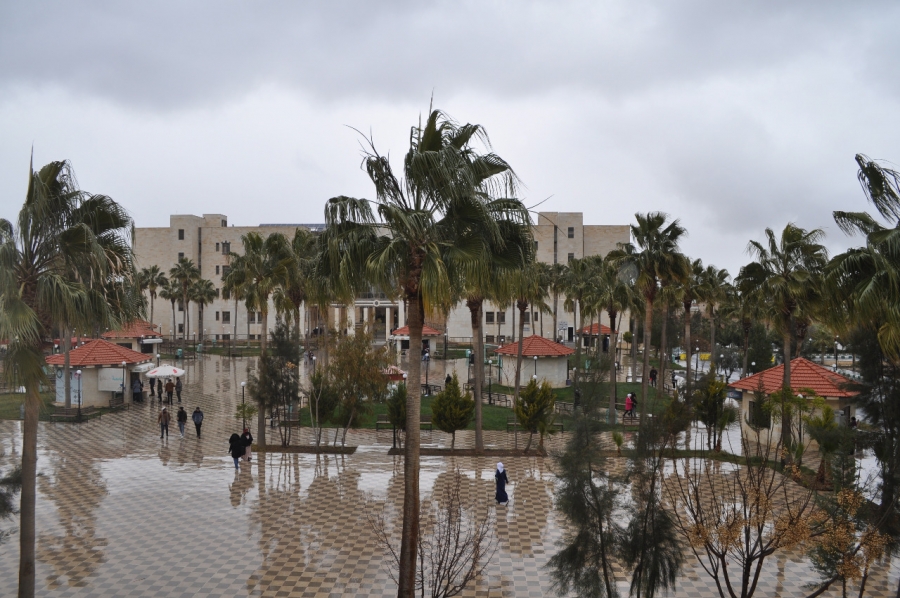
[732,116]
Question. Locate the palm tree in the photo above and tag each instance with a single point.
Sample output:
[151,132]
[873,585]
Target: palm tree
[152,279]
[690,290]
[256,274]
[294,289]
[613,294]
[715,290]
[527,290]
[576,284]
[184,274]
[202,292]
[783,267]
[170,291]
[55,266]
[556,283]
[654,257]
[435,222]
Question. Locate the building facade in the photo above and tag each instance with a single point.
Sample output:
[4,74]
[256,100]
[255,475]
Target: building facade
[208,239]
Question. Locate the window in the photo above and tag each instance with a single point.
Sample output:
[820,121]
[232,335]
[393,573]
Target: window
[180,255]
[535,245]
[224,223]
[217,268]
[225,293]
[217,316]
[181,234]
[180,306]
[217,293]
[489,339]
[226,317]
[571,232]
[526,318]
[226,247]
[488,317]
[181,329]
[259,317]
[217,247]
[571,256]
[501,317]
[251,317]
[226,337]
[225,271]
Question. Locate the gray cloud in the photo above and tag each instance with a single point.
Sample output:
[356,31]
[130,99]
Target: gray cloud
[731,116]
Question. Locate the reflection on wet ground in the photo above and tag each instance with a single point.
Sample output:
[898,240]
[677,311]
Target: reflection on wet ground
[122,513]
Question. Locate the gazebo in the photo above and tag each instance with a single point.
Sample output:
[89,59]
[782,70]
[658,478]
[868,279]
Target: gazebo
[541,357]
[402,334]
[104,367]
[805,376]
[595,331]
[138,335]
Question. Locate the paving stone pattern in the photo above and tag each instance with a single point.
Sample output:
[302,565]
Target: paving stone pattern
[122,513]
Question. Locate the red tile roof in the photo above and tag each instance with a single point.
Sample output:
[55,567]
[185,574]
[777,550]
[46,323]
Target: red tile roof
[804,374]
[426,331]
[594,328]
[135,329]
[536,346]
[99,352]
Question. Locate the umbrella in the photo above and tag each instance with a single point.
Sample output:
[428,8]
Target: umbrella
[165,371]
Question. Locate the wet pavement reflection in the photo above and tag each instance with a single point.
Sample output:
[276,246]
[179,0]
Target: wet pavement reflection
[122,513]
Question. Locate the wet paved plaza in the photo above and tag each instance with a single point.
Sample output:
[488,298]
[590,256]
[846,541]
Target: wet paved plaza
[122,513]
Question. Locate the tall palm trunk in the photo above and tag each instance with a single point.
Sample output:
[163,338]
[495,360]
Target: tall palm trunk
[234,335]
[297,322]
[522,305]
[325,329]
[263,367]
[66,347]
[410,534]
[29,491]
[712,343]
[611,415]
[786,383]
[184,312]
[555,310]
[579,322]
[173,321]
[746,324]
[152,298]
[645,374]
[663,350]
[687,350]
[475,305]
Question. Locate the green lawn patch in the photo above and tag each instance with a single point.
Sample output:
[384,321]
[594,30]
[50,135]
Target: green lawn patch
[11,404]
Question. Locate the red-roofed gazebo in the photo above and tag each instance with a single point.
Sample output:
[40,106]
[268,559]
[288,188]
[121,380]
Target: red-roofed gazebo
[139,335]
[402,335]
[541,357]
[104,366]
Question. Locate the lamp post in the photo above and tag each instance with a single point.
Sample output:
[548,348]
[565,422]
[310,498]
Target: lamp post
[576,397]
[78,377]
[445,345]
[314,364]
[697,362]
[427,363]
[123,382]
[157,360]
[490,382]
[753,365]
[836,352]
[535,367]
[243,419]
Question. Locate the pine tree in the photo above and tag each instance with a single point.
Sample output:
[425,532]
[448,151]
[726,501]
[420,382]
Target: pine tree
[451,410]
[535,410]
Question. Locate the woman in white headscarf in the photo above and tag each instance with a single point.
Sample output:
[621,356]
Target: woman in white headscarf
[502,481]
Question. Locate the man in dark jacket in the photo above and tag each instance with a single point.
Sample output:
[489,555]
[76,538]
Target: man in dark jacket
[197,418]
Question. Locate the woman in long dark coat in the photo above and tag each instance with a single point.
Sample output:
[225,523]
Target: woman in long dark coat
[236,448]
[502,481]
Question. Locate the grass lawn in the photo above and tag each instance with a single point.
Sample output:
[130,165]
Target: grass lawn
[493,417]
[11,403]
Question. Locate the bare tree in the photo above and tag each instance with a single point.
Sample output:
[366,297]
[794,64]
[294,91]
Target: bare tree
[456,541]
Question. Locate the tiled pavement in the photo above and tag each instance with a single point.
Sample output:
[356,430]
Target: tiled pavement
[121,513]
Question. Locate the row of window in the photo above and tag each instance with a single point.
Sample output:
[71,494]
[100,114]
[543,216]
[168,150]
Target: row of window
[252,317]
[499,317]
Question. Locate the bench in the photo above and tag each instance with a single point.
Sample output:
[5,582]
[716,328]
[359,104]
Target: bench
[383,421]
[114,403]
[563,407]
[512,423]
[71,413]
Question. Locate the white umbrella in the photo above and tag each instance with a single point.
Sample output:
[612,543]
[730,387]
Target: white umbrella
[165,371]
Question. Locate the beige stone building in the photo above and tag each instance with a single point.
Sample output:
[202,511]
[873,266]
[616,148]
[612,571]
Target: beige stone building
[207,240]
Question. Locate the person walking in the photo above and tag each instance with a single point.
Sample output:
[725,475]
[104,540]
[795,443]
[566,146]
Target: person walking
[159,389]
[181,416]
[629,406]
[502,480]
[178,387]
[247,440]
[448,379]
[163,421]
[135,391]
[197,418]
[170,388]
[653,374]
[236,448]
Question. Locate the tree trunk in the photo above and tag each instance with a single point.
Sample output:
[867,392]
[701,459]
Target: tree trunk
[663,350]
[475,305]
[786,386]
[67,382]
[522,305]
[152,299]
[746,325]
[325,328]
[712,342]
[579,321]
[611,415]
[555,309]
[645,374]
[410,534]
[687,350]
[174,326]
[297,327]
[29,492]
[184,309]
[634,331]
[263,366]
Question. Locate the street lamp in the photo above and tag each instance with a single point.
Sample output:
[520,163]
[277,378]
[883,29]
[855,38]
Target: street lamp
[123,382]
[78,377]
[243,413]
[157,360]
[490,382]
[535,367]
[697,361]
[314,364]
[722,365]
[836,352]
